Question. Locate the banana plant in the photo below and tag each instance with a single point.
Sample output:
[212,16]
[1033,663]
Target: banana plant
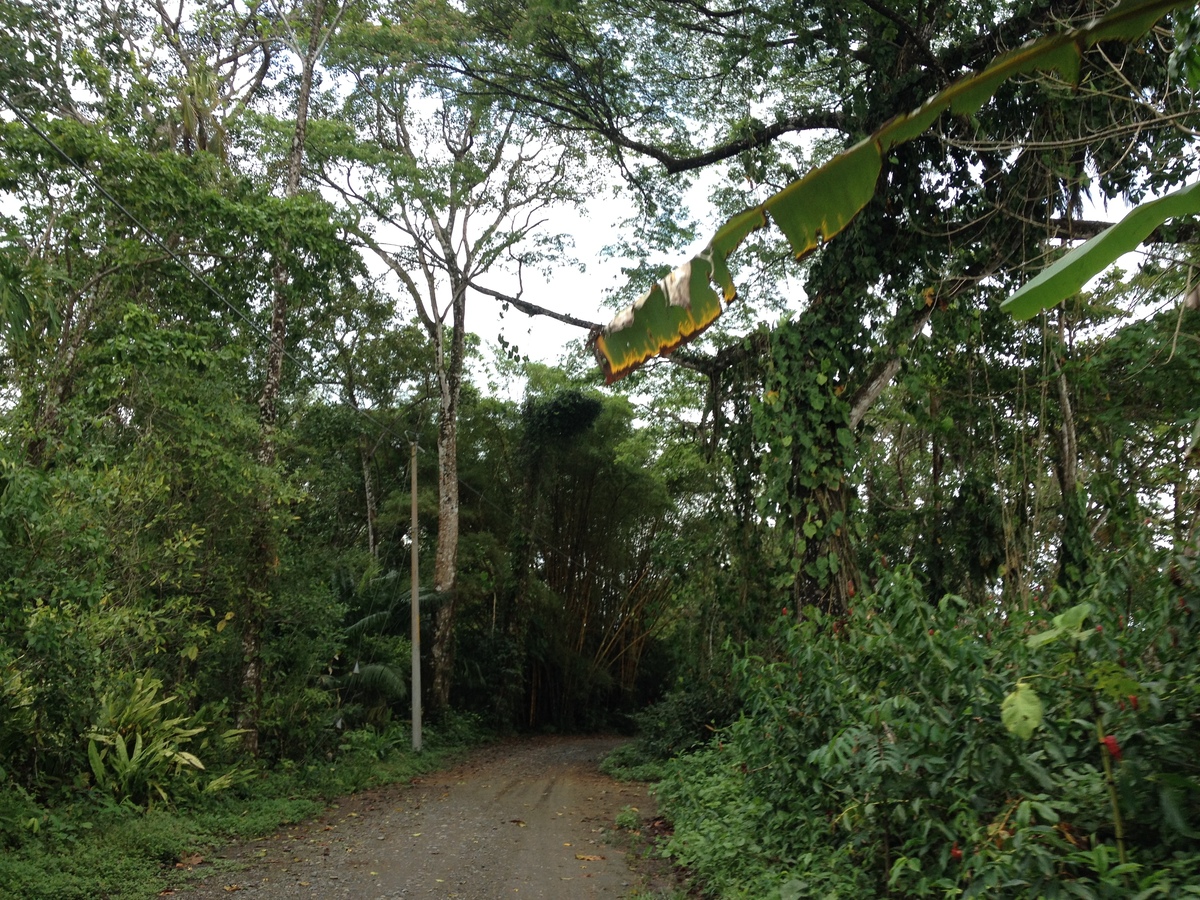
[816,207]
[1068,276]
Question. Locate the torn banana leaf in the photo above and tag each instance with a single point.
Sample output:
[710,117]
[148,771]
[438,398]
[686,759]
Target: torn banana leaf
[818,206]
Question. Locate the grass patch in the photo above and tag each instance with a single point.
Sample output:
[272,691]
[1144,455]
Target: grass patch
[640,837]
[629,762]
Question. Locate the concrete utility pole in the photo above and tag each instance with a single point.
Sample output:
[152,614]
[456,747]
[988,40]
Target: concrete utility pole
[415,687]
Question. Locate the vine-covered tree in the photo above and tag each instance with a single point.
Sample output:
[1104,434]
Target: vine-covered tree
[951,219]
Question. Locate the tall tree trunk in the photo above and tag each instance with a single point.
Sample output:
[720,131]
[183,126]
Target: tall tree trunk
[265,542]
[445,567]
[366,455]
[1076,542]
[369,498]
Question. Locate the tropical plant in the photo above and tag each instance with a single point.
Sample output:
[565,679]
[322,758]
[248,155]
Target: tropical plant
[372,673]
[872,757]
[135,750]
[812,210]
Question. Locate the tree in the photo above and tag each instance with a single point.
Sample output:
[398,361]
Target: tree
[931,236]
[449,187]
[305,31]
[124,436]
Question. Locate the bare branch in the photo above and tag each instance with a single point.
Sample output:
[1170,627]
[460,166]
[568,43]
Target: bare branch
[532,309]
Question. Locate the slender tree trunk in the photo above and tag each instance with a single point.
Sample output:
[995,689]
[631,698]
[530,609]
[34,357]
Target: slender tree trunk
[369,498]
[1076,540]
[366,455]
[265,542]
[445,564]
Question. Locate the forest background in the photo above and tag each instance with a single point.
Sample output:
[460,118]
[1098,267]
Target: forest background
[814,555]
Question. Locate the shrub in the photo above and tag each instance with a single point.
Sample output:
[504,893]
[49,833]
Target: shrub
[870,756]
[135,750]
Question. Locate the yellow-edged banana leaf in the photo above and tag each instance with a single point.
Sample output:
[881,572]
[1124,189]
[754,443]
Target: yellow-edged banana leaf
[813,209]
[1068,276]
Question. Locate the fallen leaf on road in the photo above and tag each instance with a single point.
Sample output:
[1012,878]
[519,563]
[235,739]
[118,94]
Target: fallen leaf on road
[520,822]
[588,857]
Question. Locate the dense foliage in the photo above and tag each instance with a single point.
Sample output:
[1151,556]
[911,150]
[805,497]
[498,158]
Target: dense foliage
[207,406]
[238,246]
[869,756]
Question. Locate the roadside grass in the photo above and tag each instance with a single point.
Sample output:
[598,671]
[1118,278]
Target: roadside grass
[629,762]
[87,847]
[641,836]
[655,877]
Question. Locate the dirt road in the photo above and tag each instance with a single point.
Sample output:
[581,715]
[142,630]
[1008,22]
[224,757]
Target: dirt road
[518,820]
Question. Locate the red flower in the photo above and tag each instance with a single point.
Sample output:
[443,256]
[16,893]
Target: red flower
[1114,749]
[1133,701]
[955,852]
[783,612]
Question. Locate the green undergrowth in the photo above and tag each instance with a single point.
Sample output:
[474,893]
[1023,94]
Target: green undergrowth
[870,757]
[624,764]
[87,847]
[682,720]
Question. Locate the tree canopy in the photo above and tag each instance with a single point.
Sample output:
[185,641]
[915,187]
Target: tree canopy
[906,583]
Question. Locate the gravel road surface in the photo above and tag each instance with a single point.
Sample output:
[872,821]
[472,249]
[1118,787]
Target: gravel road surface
[522,819]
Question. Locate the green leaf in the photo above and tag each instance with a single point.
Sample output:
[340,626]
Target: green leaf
[182,756]
[671,313]
[813,209]
[1047,813]
[1021,712]
[1111,680]
[122,754]
[1169,797]
[1068,622]
[1067,276]
[96,762]
[822,203]
[1073,618]
[1043,637]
